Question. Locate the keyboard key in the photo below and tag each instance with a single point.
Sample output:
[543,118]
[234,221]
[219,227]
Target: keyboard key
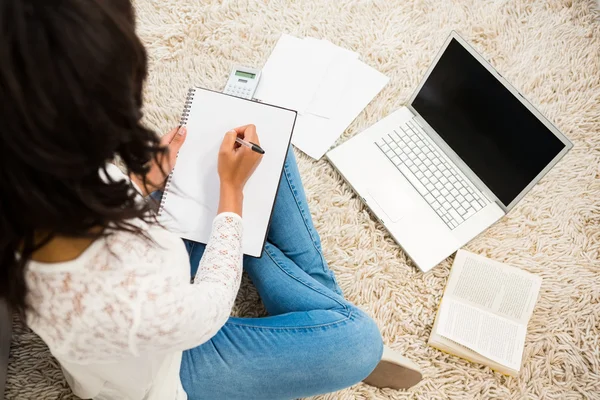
[454,204]
[446,205]
[436,205]
[465,204]
[444,191]
[447,173]
[470,213]
[435,193]
[429,198]
[454,192]
[420,175]
[453,179]
[422,168]
[463,191]
[411,178]
[437,174]
[444,180]
[461,211]
[427,161]
[428,173]
[469,197]
[455,215]
[396,160]
[429,187]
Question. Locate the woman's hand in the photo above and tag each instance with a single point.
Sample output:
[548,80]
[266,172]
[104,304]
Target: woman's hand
[236,165]
[162,166]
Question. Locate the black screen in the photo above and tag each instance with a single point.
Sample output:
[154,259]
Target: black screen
[482,121]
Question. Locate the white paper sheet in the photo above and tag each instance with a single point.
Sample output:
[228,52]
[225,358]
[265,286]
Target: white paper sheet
[192,198]
[292,74]
[333,85]
[314,135]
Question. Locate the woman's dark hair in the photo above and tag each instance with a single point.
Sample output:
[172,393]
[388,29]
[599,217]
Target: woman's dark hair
[71,77]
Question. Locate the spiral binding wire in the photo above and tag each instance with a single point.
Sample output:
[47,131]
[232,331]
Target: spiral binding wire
[183,121]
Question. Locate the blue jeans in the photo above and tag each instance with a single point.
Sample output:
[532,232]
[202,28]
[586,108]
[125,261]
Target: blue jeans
[312,342]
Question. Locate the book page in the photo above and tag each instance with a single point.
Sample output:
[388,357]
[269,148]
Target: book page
[192,197]
[492,336]
[493,287]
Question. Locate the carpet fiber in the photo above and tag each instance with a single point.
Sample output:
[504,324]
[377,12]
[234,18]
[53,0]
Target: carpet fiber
[549,49]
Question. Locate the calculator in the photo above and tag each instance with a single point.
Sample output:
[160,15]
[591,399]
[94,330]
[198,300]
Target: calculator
[242,82]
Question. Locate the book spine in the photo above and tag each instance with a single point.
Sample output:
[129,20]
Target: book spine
[182,122]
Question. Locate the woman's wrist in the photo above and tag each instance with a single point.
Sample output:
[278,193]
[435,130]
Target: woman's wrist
[231,198]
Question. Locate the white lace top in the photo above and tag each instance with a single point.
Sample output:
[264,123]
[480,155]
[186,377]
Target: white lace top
[118,317]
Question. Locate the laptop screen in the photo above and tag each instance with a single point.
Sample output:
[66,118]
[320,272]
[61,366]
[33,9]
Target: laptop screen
[502,142]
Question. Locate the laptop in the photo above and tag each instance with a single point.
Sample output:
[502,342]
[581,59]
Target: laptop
[461,155]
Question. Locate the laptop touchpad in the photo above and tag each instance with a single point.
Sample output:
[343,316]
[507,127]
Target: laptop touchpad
[392,200]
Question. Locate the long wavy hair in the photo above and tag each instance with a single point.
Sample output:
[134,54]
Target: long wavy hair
[71,78]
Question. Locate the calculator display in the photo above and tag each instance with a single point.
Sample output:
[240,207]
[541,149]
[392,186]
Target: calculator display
[245,74]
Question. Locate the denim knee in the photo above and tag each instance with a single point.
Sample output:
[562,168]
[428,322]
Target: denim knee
[364,348]
[372,349]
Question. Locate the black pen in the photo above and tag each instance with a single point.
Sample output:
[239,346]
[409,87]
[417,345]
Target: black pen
[252,146]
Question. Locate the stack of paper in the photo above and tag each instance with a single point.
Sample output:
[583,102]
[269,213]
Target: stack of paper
[328,86]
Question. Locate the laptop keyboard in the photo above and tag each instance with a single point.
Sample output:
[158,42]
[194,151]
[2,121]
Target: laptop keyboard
[435,179]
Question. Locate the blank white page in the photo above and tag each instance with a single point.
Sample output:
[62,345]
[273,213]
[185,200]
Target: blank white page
[191,198]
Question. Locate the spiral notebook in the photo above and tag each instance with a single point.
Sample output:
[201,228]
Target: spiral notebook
[191,198]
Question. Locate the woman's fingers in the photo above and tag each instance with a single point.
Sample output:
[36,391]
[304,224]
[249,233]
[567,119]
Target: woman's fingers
[241,129]
[177,139]
[248,133]
[228,143]
[168,137]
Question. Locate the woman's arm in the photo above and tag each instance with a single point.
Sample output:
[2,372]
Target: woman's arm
[175,315]
[185,316]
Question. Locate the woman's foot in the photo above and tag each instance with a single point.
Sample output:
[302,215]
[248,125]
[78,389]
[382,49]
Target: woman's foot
[394,371]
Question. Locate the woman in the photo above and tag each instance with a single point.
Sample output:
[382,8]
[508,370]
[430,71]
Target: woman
[103,284]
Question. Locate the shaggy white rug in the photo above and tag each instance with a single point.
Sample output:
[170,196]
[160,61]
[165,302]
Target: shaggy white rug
[549,49]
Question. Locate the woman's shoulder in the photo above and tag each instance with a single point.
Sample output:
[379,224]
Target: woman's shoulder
[136,246]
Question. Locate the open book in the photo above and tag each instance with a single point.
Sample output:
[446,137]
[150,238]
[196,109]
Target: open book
[484,312]
[191,198]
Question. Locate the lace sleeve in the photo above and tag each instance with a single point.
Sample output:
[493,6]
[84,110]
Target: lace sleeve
[177,315]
